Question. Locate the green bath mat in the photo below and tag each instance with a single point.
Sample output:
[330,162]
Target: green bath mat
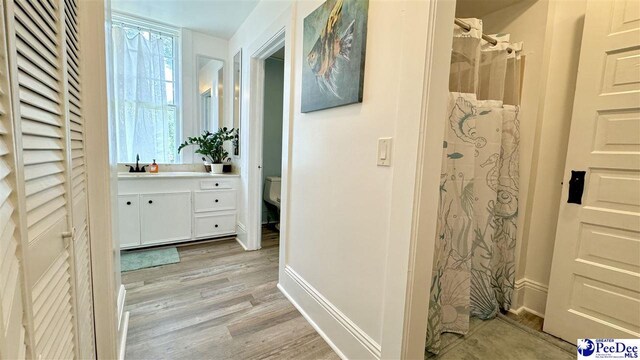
[148,258]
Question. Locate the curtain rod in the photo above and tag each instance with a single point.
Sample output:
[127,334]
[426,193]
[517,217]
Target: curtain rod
[487,38]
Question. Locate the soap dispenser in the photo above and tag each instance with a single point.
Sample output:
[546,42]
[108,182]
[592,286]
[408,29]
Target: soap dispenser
[153,168]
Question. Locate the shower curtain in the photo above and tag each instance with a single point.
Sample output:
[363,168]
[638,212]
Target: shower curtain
[474,262]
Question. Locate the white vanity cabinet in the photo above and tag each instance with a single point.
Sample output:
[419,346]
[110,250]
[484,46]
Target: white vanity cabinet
[129,220]
[173,207]
[165,217]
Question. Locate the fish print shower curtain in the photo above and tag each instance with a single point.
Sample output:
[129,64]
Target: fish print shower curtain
[474,259]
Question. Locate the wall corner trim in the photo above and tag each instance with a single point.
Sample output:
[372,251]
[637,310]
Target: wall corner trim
[531,296]
[341,333]
[528,283]
[241,244]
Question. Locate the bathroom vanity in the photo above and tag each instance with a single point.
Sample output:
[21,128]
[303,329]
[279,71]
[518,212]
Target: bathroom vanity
[173,207]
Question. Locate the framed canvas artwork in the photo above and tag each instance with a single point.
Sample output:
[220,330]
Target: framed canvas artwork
[334,46]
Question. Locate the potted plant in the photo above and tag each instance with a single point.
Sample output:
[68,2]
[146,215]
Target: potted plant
[211,145]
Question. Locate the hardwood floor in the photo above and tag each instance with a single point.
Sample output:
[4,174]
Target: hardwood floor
[219,302]
[527,319]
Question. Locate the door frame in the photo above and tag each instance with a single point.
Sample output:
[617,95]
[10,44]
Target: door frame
[109,323]
[415,188]
[276,36]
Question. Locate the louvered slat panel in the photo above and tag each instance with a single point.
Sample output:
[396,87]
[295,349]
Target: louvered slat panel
[29,53]
[36,128]
[32,33]
[38,73]
[53,315]
[12,331]
[42,143]
[76,124]
[78,189]
[38,58]
[31,41]
[78,182]
[42,170]
[30,11]
[39,115]
[41,157]
[44,183]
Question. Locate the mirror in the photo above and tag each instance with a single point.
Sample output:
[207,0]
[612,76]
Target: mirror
[237,94]
[210,93]
[205,110]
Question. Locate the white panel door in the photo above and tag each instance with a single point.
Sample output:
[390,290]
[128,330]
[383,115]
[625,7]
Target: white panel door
[165,217]
[594,290]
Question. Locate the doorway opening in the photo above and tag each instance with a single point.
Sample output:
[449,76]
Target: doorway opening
[272,144]
[269,111]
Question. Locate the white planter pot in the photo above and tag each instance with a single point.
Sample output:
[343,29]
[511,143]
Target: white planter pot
[216,168]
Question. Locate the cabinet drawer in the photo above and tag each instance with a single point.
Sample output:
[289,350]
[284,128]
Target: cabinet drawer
[211,225]
[214,200]
[216,184]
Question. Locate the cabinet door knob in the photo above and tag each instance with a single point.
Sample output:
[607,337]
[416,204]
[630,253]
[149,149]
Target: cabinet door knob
[216,200]
[216,225]
[217,184]
[128,202]
[150,201]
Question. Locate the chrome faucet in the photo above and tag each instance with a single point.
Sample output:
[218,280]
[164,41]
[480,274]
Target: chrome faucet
[138,168]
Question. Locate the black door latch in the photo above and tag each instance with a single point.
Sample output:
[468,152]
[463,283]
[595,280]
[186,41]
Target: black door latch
[576,187]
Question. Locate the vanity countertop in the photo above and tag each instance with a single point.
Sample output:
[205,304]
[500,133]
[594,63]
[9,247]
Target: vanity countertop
[173,174]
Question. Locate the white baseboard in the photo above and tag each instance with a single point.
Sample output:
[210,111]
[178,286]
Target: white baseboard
[241,244]
[347,339]
[123,322]
[123,336]
[122,294]
[530,296]
[241,235]
[313,324]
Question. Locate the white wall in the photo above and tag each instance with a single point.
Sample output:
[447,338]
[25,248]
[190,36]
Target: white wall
[340,204]
[551,32]
[551,145]
[194,44]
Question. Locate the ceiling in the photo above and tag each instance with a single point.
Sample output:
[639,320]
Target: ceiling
[477,9]
[220,18]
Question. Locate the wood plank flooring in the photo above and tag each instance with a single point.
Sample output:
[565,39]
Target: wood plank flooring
[527,319]
[219,302]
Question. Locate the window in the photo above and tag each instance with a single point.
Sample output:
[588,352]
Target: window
[147,106]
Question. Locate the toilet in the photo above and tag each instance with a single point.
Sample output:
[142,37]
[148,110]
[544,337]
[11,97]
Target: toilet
[271,194]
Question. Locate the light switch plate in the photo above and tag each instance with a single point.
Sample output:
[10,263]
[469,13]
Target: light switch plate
[384,152]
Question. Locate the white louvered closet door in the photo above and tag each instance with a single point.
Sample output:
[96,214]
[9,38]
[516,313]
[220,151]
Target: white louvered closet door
[78,184]
[12,335]
[45,89]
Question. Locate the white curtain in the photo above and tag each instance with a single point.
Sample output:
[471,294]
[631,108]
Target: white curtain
[141,109]
[474,262]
